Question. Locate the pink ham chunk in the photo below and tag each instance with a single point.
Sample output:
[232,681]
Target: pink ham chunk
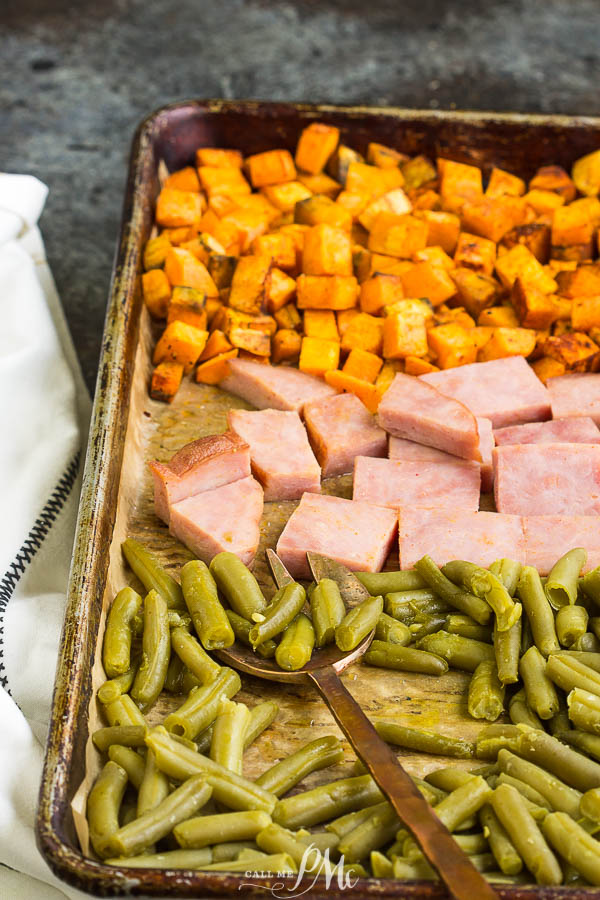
[581,430]
[358,535]
[547,538]
[547,479]
[200,466]
[273,387]
[486,448]
[397,483]
[401,448]
[418,412]
[341,428]
[445,534]
[507,390]
[281,457]
[226,518]
[577,394]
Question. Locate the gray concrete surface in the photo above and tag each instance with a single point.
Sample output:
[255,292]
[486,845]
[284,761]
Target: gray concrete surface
[76,77]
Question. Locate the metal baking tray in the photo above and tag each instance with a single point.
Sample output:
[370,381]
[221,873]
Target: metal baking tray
[128,428]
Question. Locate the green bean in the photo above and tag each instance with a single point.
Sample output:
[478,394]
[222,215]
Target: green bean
[508,571]
[127,735]
[275,839]
[227,850]
[151,573]
[471,844]
[462,600]
[118,685]
[586,643]
[261,716]
[540,691]
[346,823]
[242,628]
[378,830]
[326,802]
[248,854]
[573,843]
[413,870]
[381,866]
[423,741]
[124,712]
[116,649]
[575,769]
[486,586]
[590,585]
[504,851]
[129,760]
[229,730]
[405,605]
[318,754]
[582,740]
[526,635]
[171,859]
[590,804]
[177,619]
[557,793]
[525,835]
[159,821]
[154,787]
[202,706]
[202,831]
[568,673]
[594,625]
[202,600]
[589,659]
[496,737]
[378,583]
[180,762]
[507,645]
[560,721]
[276,864]
[457,623]
[189,681]
[327,610]
[174,679]
[357,623]
[526,790]
[156,650]
[561,586]
[238,584]
[520,712]
[405,659]
[448,778]
[538,609]
[103,804]
[486,692]
[285,606]
[424,625]
[322,840]
[296,645]
[459,652]
[571,624]
[390,630]
[193,655]
[584,710]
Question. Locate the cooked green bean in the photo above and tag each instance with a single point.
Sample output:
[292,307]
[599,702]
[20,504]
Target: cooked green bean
[345,824]
[594,625]
[174,678]
[238,584]
[582,740]
[423,741]
[194,656]
[520,712]
[123,712]
[406,605]
[568,673]
[229,730]
[508,571]
[261,716]
[540,691]
[579,848]
[526,790]
[590,585]
[242,628]
[358,622]
[326,802]
[504,851]
[590,804]
[322,840]
[202,706]
[538,610]
[377,831]
[170,859]
[493,738]
[180,762]
[381,866]
[454,596]
[486,692]
[228,850]
[117,686]
[276,864]
[574,769]
[202,600]
[177,619]
[586,643]
[156,650]
[405,659]
[275,839]
[560,720]
[525,835]
[151,573]
[584,710]
[391,630]
[589,659]
[557,793]
[526,635]
[571,624]
[471,844]
[202,831]
[127,735]
[296,645]
[378,583]
[103,805]
[424,625]
[561,586]
[413,870]
[285,606]
[129,760]
[318,754]
[154,787]
[118,634]
[448,778]
[327,609]
[189,681]
[457,623]
[507,647]
[459,652]
[486,586]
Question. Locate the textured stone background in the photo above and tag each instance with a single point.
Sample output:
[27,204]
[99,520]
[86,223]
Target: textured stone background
[76,77]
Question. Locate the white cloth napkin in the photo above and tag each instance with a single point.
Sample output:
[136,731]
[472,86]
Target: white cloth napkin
[45,409]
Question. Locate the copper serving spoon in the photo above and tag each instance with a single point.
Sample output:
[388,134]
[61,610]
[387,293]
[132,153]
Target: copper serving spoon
[323,671]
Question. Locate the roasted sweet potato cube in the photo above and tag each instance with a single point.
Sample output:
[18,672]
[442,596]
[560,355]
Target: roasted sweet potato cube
[394,201]
[327,251]
[519,262]
[288,317]
[508,342]
[340,160]
[321,323]
[428,280]
[165,381]
[458,183]
[490,217]
[285,196]
[392,178]
[176,208]
[155,252]
[156,290]
[318,355]
[202,246]
[585,313]
[475,290]
[404,334]
[369,394]
[384,157]
[388,265]
[183,180]
[256,342]
[343,319]
[213,307]
[280,247]
[216,344]
[418,171]
[481,334]
[425,199]
[379,291]
[571,348]
[389,369]
[534,236]
[367,179]
[555,179]
[187,305]
[399,236]
[250,284]
[443,229]
[225,180]
[320,209]
[286,345]
[499,317]
[364,332]
[545,367]
[177,236]
[451,345]
[281,290]
[555,266]
[315,146]
[457,314]
[180,343]
[475,252]
[249,223]
[326,291]
[361,262]
[503,183]
[362,364]
[437,256]
[184,270]
[270,167]
[214,370]
[543,202]
[416,365]
[219,158]
[583,282]
[320,184]
[586,174]
[354,201]
[571,225]
[221,268]
[534,308]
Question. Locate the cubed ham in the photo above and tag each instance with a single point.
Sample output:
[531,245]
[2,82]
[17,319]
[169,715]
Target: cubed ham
[341,428]
[486,448]
[281,457]
[547,538]
[445,534]
[359,535]
[226,518]
[397,483]
[547,479]
[200,466]
[507,390]
[273,387]
[577,394]
[582,430]
[412,409]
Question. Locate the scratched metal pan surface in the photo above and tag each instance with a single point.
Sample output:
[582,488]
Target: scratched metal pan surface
[128,428]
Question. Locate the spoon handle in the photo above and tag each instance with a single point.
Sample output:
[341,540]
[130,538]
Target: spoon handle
[461,878]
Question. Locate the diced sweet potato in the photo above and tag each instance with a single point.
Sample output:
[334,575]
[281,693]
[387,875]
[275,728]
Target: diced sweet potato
[425,198]
[327,291]
[571,225]
[176,208]
[574,252]
[319,209]
[519,262]
[155,252]
[586,174]
[364,332]
[327,251]
[555,179]
[475,290]
[503,183]
[475,252]
[437,256]
[202,246]
[583,282]
[214,370]
[156,289]
[418,171]
[187,305]
[428,280]
[339,162]
[165,382]
[317,356]
[177,236]
[388,373]
[458,183]
[221,268]
[443,229]
[388,265]
[404,334]
[369,394]
[361,262]
[287,317]
[585,313]
[379,291]
[354,201]
[384,157]
[452,345]
[499,317]
[481,334]
[394,201]
[534,308]
[399,236]
[227,181]
[216,344]
[250,284]
[315,146]
[281,290]
[546,367]
[320,184]
[364,177]
[286,345]
[344,317]
[543,202]
[271,167]
[321,323]
[285,196]
[183,180]
[571,348]
[249,339]
[536,238]
[416,365]
[248,222]
[184,270]
[362,364]
[457,314]
[180,343]
[508,342]
[490,217]
[280,247]
[412,306]
[217,157]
